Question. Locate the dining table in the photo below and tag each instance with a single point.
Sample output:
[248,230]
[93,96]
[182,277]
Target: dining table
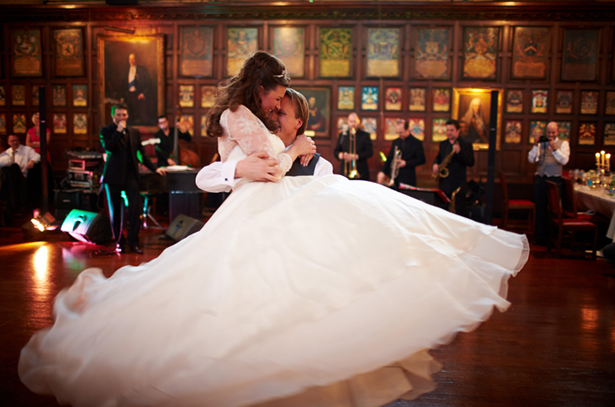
[599,201]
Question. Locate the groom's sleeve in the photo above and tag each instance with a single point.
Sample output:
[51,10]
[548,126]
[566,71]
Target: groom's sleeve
[217,177]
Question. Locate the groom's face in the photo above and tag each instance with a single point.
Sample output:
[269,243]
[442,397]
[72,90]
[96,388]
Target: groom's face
[288,122]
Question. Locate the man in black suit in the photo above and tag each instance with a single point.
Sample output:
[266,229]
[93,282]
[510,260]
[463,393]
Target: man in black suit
[166,135]
[462,158]
[124,151]
[412,155]
[363,150]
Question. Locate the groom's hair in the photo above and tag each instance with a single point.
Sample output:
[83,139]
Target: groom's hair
[300,104]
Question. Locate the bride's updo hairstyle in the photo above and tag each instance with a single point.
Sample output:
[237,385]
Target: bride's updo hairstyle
[260,70]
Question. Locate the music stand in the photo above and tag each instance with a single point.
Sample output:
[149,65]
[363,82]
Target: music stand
[432,196]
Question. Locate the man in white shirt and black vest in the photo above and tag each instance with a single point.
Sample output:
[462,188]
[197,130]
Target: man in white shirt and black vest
[551,154]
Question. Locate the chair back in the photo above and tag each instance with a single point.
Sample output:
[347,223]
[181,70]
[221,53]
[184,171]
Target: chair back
[504,189]
[569,201]
[554,203]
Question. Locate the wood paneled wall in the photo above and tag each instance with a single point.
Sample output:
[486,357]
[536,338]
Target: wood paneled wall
[168,20]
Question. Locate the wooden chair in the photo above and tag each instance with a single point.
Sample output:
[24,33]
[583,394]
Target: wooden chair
[520,205]
[570,209]
[561,227]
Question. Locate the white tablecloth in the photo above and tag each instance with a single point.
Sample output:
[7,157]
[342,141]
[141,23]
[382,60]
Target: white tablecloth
[599,201]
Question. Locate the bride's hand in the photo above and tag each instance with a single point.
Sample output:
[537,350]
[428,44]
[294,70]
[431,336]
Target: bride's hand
[304,145]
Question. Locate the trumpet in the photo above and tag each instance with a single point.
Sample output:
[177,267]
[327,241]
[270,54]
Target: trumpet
[350,167]
[395,166]
[442,170]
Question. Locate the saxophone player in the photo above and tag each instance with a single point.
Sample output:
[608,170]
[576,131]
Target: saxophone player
[412,155]
[354,155]
[462,157]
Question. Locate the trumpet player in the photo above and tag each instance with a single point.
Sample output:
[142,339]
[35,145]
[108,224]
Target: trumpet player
[411,155]
[354,155]
[462,157]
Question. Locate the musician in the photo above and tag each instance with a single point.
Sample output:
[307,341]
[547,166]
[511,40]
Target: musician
[363,150]
[412,155]
[462,158]
[124,151]
[166,134]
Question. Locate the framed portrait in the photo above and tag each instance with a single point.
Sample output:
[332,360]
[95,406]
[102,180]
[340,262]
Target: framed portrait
[80,95]
[539,101]
[514,101]
[609,103]
[80,123]
[2,96]
[19,123]
[530,53]
[609,134]
[392,99]
[390,124]
[383,45]
[580,55]
[563,102]
[335,52]
[438,130]
[563,130]
[35,94]
[241,42]
[417,127]
[58,95]
[319,105]
[537,128]
[345,98]
[587,133]
[512,132]
[27,56]
[132,71]
[431,53]
[196,52]
[68,52]
[417,98]
[186,95]
[369,98]
[19,95]
[289,46]
[480,52]
[370,125]
[187,120]
[472,107]
[589,102]
[441,100]
[208,96]
[2,123]
[59,123]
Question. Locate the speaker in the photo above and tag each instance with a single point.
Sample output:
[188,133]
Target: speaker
[88,227]
[182,227]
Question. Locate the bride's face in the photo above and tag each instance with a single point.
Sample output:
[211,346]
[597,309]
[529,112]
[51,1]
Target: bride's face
[270,100]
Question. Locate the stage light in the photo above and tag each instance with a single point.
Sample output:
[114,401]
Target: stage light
[38,225]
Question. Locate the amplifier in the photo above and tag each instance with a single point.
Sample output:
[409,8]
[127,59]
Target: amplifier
[83,165]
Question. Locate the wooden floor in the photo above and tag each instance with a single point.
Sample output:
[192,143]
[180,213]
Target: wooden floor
[555,346]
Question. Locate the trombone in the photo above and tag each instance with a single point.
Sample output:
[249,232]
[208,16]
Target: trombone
[350,166]
[395,166]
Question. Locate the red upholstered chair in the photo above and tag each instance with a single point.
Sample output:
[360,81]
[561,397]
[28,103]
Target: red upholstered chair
[569,206]
[561,227]
[520,205]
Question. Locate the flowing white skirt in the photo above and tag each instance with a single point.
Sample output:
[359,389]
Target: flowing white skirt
[307,292]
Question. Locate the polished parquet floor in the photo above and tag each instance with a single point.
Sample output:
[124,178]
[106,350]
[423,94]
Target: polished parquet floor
[555,346]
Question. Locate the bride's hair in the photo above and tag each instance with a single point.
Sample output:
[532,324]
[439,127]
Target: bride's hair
[260,70]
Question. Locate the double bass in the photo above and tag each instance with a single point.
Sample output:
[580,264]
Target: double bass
[186,155]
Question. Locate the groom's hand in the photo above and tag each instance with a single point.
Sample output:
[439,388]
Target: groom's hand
[258,167]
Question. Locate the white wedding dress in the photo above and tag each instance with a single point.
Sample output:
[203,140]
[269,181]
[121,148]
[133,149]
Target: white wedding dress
[307,292]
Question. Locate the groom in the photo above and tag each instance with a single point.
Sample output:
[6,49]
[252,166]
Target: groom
[292,121]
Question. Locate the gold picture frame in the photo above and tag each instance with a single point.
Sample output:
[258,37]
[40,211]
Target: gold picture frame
[114,71]
[471,106]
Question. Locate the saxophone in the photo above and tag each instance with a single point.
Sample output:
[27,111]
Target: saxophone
[442,170]
[395,166]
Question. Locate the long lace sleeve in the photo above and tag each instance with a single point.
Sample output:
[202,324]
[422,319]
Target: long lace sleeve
[250,134]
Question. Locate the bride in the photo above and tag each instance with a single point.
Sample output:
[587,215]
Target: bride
[309,291]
